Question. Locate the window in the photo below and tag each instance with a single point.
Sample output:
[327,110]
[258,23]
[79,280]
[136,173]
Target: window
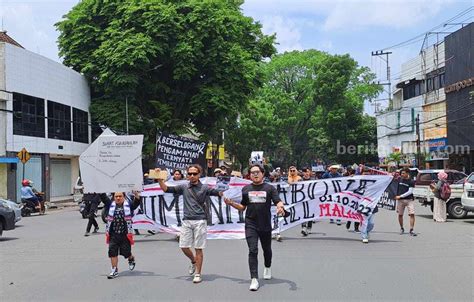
[441,80]
[80,127]
[59,121]
[429,85]
[28,115]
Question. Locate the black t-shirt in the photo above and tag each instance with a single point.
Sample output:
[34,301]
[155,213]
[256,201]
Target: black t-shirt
[258,200]
[403,187]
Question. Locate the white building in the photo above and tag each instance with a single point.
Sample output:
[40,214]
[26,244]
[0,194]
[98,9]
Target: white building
[45,109]
[418,92]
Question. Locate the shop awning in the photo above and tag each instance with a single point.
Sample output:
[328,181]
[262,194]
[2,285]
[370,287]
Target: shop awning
[9,160]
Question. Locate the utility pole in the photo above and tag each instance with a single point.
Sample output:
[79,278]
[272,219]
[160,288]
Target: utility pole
[418,143]
[381,53]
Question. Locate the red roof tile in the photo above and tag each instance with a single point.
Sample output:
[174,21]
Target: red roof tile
[7,39]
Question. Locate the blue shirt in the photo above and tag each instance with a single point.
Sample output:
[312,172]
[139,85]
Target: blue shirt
[27,192]
[330,175]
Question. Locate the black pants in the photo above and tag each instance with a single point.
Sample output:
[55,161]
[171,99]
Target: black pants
[92,222]
[252,236]
[308,224]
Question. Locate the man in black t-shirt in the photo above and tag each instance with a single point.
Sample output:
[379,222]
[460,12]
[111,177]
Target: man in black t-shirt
[257,199]
[405,199]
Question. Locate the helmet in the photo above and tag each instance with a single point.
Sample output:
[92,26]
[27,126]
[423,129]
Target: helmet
[25,182]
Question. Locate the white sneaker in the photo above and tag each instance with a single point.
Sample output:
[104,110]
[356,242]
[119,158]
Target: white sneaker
[254,284]
[113,273]
[309,230]
[197,278]
[192,268]
[267,273]
[365,240]
[304,232]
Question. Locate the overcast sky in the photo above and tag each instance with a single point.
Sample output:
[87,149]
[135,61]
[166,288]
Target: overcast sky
[338,27]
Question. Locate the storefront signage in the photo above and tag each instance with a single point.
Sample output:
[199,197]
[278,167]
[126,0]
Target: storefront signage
[459,85]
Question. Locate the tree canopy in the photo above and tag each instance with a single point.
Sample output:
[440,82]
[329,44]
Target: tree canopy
[309,102]
[180,63]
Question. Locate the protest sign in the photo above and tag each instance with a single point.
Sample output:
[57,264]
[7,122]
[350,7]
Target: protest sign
[387,201]
[112,163]
[338,198]
[256,157]
[177,152]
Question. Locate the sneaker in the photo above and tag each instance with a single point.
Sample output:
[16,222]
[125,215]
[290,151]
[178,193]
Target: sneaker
[304,232]
[331,220]
[338,222]
[348,225]
[309,230]
[197,278]
[357,231]
[365,240]
[96,230]
[278,238]
[113,273]
[267,273]
[192,268]
[412,233]
[86,234]
[254,284]
[131,264]
[151,232]
[402,231]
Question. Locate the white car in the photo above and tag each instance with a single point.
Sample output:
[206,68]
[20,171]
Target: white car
[78,190]
[14,206]
[467,198]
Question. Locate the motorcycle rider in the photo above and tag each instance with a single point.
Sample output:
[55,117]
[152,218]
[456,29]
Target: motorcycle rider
[28,196]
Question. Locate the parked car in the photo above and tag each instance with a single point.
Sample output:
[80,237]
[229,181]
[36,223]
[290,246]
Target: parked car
[424,195]
[15,207]
[467,198]
[7,217]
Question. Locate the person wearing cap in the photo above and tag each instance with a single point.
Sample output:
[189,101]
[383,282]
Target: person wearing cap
[257,199]
[332,173]
[217,172]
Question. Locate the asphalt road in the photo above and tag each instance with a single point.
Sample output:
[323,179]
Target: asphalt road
[47,258]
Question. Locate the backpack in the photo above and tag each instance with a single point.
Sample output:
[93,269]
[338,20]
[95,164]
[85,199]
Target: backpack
[445,191]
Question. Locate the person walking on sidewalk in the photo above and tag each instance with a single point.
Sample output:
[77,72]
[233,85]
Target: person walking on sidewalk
[119,231]
[405,199]
[196,212]
[257,199]
[439,205]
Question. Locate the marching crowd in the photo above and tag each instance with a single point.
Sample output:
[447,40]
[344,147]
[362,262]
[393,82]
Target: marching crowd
[256,200]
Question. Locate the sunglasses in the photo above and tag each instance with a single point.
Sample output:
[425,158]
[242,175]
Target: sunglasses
[192,174]
[292,170]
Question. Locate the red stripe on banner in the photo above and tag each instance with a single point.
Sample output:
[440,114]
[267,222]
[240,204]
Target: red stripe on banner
[144,221]
[152,189]
[225,231]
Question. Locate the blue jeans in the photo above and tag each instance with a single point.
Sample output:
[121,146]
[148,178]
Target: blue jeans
[369,227]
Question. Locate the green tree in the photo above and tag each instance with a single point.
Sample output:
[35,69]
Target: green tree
[316,100]
[182,64]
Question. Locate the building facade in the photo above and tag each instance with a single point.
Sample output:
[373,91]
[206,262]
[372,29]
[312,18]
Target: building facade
[46,111]
[459,97]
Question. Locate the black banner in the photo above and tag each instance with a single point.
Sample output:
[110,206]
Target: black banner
[177,152]
[387,201]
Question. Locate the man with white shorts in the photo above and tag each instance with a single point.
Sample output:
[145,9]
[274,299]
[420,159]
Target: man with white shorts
[194,227]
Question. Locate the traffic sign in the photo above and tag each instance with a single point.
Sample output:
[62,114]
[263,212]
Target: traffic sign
[23,156]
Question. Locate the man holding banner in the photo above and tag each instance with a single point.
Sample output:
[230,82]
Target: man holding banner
[257,199]
[196,213]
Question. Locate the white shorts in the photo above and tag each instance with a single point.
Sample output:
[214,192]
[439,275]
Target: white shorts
[193,234]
